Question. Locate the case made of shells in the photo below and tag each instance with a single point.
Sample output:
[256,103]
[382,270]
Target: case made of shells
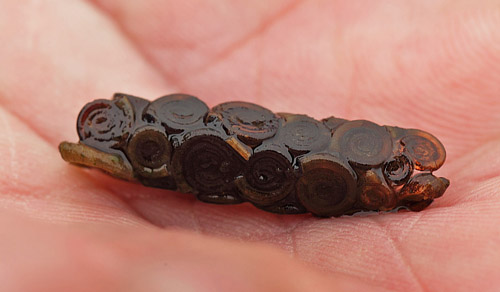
[241,152]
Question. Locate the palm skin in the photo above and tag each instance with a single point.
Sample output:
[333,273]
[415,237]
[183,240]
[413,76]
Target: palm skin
[432,65]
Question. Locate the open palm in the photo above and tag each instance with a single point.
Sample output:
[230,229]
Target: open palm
[433,65]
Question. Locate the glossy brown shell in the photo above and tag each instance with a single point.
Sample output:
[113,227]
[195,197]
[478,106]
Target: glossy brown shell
[241,152]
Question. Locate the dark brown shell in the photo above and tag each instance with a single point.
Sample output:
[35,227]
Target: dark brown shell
[327,186]
[302,134]
[148,150]
[176,112]
[103,123]
[205,163]
[267,178]
[363,143]
[251,123]
[241,152]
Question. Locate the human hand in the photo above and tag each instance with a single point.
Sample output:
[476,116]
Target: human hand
[431,65]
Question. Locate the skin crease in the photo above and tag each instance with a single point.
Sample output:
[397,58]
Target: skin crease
[432,65]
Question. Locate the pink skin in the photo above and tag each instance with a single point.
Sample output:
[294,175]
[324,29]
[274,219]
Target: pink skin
[433,65]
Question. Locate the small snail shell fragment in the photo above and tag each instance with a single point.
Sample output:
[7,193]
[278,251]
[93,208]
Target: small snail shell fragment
[424,187]
[333,123]
[288,205]
[374,193]
[398,170]
[222,198]
[240,152]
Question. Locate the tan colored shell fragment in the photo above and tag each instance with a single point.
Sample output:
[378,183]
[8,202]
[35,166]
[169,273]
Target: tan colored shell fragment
[81,154]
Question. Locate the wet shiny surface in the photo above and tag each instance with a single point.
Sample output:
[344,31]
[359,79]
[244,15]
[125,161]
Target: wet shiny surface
[207,163]
[250,122]
[148,149]
[238,152]
[268,177]
[398,170]
[302,134]
[177,111]
[425,150]
[362,142]
[327,186]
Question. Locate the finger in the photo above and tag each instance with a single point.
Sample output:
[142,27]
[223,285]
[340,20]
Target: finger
[80,259]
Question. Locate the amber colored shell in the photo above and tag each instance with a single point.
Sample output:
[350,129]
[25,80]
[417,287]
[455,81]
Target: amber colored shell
[240,152]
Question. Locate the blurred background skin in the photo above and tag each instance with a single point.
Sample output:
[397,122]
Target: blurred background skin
[431,64]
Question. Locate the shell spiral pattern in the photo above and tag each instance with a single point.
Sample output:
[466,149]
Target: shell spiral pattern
[207,163]
[103,121]
[283,163]
[267,178]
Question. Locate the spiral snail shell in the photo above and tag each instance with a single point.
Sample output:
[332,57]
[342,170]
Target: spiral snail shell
[267,178]
[104,123]
[239,152]
[176,112]
[251,123]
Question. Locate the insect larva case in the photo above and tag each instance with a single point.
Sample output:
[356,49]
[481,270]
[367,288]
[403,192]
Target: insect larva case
[241,152]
